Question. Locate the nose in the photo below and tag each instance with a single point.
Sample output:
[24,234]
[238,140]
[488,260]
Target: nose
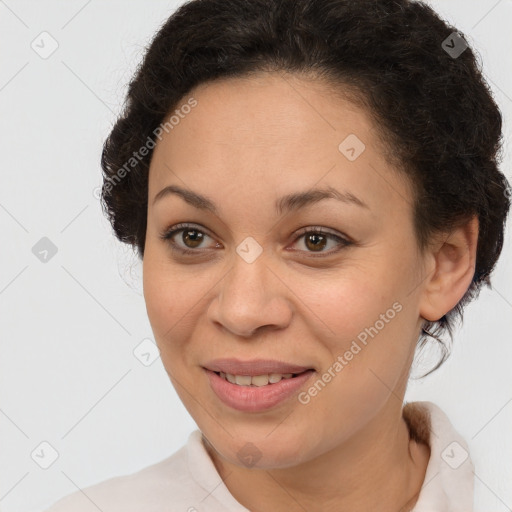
[251,297]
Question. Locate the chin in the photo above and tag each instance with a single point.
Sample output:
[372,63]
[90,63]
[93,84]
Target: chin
[261,452]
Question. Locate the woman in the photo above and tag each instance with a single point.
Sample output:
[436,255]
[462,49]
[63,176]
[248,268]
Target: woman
[313,188]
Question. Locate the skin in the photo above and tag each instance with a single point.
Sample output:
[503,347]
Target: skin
[248,142]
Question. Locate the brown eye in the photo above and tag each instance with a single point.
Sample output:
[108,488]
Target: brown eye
[316,239]
[193,237]
[190,240]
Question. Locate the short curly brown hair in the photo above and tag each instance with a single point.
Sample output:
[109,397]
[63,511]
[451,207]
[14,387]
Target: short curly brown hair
[433,109]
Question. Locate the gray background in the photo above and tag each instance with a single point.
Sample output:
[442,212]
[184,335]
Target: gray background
[69,326]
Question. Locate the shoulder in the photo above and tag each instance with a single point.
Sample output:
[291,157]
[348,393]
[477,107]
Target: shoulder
[449,451]
[151,489]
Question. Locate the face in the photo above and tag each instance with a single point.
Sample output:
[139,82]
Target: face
[330,285]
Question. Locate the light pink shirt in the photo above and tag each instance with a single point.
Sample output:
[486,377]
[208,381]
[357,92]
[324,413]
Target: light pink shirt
[187,481]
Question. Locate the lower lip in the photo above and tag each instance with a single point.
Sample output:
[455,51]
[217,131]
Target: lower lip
[254,398]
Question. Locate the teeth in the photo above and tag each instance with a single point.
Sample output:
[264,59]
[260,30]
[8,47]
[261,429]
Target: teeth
[256,380]
[243,380]
[274,377]
[259,380]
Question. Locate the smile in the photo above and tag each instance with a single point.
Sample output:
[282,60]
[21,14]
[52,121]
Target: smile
[256,380]
[256,393]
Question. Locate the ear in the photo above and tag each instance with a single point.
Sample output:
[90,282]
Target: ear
[451,266]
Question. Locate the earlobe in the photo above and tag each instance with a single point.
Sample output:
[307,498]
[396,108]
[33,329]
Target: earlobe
[454,258]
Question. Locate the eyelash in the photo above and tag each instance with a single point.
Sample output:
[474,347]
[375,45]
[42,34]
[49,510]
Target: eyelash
[170,232]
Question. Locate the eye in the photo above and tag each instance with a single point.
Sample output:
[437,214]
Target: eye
[190,235]
[316,238]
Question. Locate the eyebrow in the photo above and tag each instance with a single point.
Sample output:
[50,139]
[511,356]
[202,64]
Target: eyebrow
[287,203]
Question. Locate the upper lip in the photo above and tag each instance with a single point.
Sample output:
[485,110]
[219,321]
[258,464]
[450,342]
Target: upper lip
[253,367]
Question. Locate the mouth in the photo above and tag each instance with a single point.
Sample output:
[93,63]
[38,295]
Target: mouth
[259,392]
[266,379]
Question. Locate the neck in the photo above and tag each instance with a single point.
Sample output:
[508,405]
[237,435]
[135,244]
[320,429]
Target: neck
[379,468]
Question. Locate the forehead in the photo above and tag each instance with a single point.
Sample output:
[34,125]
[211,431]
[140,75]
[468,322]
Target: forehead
[269,132]
[272,108]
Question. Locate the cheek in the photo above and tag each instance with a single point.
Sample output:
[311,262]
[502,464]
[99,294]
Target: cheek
[347,306]
[369,344]
[367,320]
[170,299]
